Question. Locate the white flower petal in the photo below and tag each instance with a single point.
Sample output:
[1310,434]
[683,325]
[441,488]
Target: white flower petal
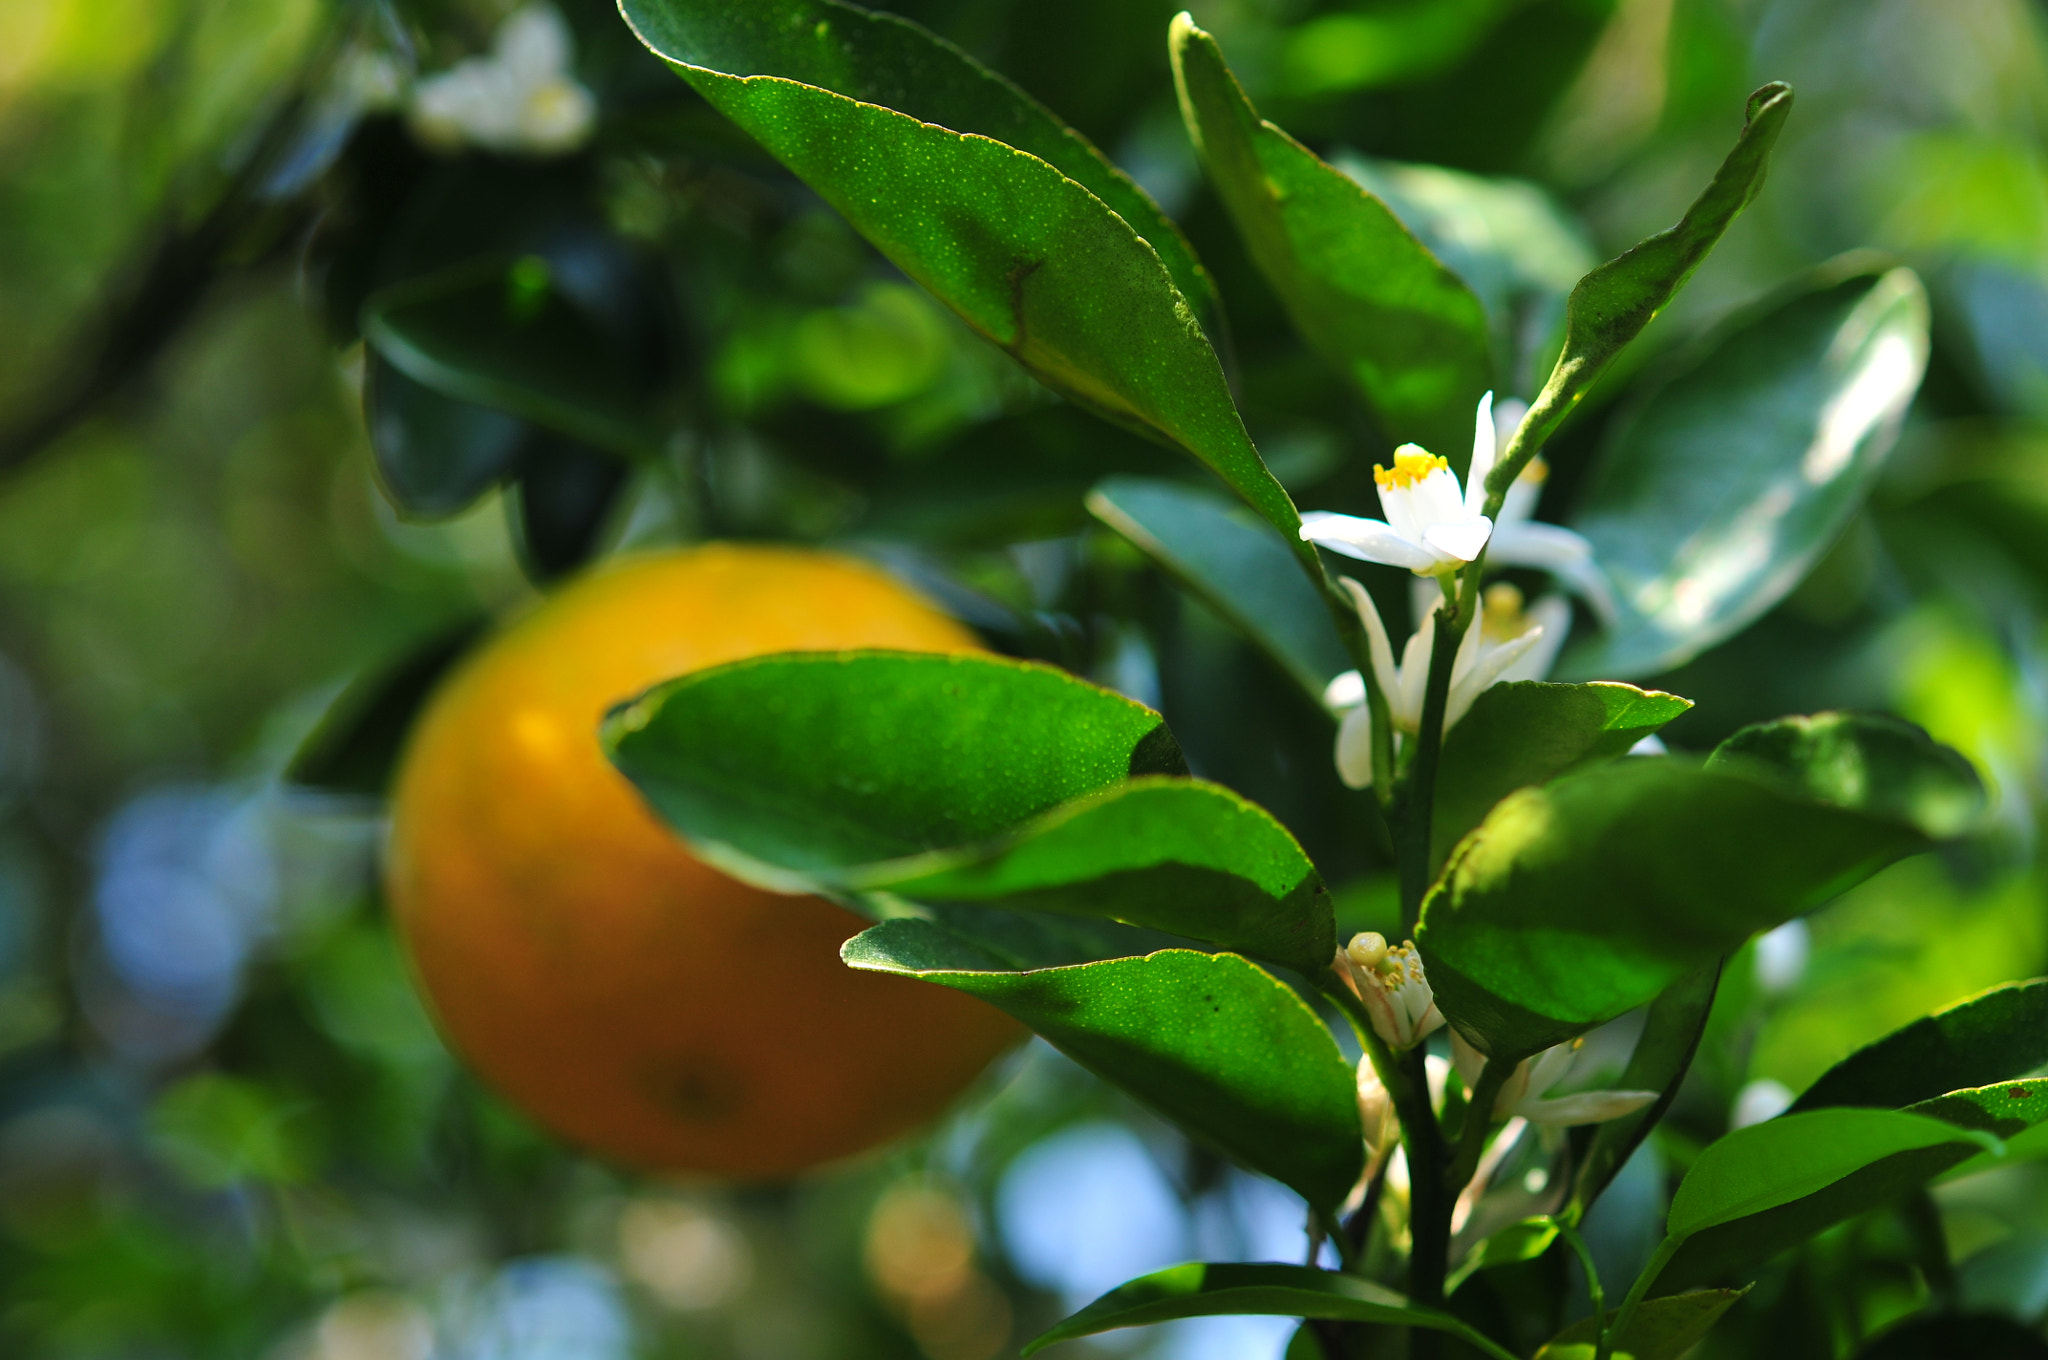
[1345,691]
[1354,748]
[1562,553]
[1547,1068]
[1586,1107]
[1486,672]
[1485,448]
[1463,541]
[1466,1058]
[1369,540]
[1406,697]
[1437,500]
[1377,644]
[1552,615]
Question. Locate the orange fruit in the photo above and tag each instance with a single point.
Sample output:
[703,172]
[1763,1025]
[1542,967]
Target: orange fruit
[574,952]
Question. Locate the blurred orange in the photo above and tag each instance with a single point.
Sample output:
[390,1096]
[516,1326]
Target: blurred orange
[625,994]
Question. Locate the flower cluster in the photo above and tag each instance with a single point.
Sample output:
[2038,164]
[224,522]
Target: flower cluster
[1526,1092]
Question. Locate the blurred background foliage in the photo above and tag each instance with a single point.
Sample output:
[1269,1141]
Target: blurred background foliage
[226,1126]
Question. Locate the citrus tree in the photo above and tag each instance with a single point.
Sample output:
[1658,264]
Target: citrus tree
[1037,842]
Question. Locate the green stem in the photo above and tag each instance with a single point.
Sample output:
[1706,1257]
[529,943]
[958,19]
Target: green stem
[1332,1227]
[1478,1121]
[1605,1342]
[1417,803]
[1429,1216]
[1666,1249]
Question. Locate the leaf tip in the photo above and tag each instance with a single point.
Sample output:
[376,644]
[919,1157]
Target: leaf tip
[1776,94]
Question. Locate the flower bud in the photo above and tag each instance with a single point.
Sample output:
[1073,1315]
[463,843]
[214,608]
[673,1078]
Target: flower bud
[1391,983]
[1376,1116]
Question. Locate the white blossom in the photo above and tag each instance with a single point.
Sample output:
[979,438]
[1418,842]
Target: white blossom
[520,98]
[1391,983]
[1525,1094]
[1502,643]
[1432,526]
[1376,1116]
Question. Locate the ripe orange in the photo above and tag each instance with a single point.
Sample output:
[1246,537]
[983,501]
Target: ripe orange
[628,996]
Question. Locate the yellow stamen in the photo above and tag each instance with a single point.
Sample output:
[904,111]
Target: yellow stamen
[1502,619]
[1408,469]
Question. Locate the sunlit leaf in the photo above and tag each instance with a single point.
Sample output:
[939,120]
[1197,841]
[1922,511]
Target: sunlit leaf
[1586,897]
[800,770]
[1364,293]
[1211,1041]
[1610,306]
[1234,565]
[1526,732]
[1716,496]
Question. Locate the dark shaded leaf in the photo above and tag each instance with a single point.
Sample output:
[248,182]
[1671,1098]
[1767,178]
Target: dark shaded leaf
[1946,1336]
[1716,496]
[561,504]
[1662,1329]
[1234,565]
[1993,1036]
[1028,257]
[1366,295]
[1207,1290]
[435,454]
[1217,1045]
[1526,732]
[1663,1052]
[355,747]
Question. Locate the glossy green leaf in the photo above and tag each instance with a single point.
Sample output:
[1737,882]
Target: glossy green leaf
[1715,496]
[1512,1245]
[1662,1329]
[1172,854]
[1610,306]
[1993,1036]
[1211,1041]
[355,747]
[1234,565]
[1511,243]
[1877,764]
[799,770]
[502,334]
[1526,732]
[1663,1052]
[881,59]
[435,454]
[1027,256]
[1366,295]
[1768,1186]
[1586,897]
[1201,1289]
[1781,1160]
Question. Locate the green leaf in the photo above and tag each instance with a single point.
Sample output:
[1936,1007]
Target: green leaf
[1868,761]
[1788,1158]
[355,746]
[1366,295]
[1172,854]
[1511,243]
[2002,1109]
[1671,1036]
[1766,1187]
[1211,1041]
[1944,1335]
[1234,566]
[502,334]
[1517,1242]
[882,59]
[1202,1289]
[1526,732]
[1993,1036]
[1027,256]
[1610,306]
[561,504]
[1715,497]
[435,455]
[1583,898]
[799,770]
[1662,1329]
